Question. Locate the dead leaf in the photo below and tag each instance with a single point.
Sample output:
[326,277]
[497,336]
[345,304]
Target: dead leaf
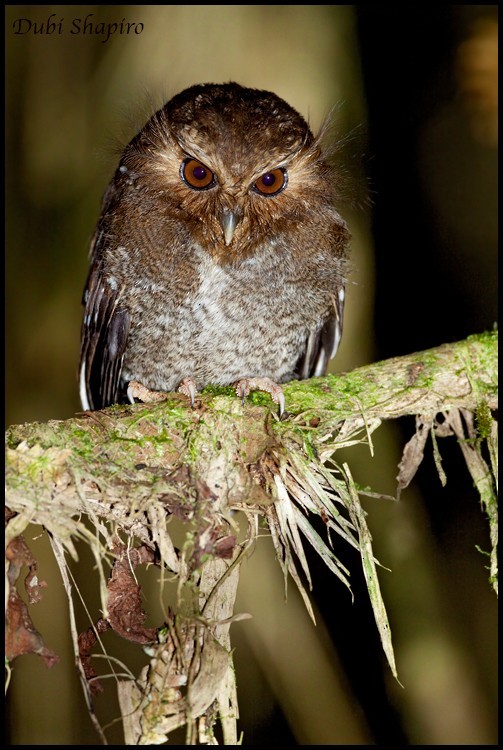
[413,452]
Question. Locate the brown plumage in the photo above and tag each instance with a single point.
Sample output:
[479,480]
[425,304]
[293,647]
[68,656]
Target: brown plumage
[219,255]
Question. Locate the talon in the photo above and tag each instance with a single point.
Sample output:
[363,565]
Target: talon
[188,388]
[280,400]
[131,390]
[242,390]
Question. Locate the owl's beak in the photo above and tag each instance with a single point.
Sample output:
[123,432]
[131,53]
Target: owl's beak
[229,222]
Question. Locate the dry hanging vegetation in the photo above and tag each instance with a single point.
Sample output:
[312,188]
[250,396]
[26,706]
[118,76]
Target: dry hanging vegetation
[189,490]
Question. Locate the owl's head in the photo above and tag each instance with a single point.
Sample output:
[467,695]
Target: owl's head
[238,165]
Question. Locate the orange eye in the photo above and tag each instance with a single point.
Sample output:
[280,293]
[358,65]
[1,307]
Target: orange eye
[196,175]
[271,183]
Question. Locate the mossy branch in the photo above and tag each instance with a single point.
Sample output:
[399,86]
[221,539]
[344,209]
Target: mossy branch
[162,483]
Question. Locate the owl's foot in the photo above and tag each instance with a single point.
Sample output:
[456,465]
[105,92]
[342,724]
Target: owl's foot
[245,385]
[140,392]
[136,390]
[188,388]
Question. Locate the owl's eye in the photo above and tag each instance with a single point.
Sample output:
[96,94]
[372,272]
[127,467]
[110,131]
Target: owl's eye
[196,175]
[271,183]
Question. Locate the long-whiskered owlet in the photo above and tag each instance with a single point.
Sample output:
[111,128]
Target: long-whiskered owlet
[219,256]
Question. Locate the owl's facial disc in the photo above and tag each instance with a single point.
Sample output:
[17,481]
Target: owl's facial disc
[233,187]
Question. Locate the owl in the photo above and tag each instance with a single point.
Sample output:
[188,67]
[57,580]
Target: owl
[219,255]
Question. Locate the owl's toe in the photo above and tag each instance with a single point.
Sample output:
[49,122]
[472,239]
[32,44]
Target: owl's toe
[188,388]
[245,385]
[138,392]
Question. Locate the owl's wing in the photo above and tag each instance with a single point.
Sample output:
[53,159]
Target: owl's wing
[322,345]
[105,330]
[105,326]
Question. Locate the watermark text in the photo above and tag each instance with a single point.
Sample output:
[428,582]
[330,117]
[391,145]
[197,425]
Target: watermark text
[56,25]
